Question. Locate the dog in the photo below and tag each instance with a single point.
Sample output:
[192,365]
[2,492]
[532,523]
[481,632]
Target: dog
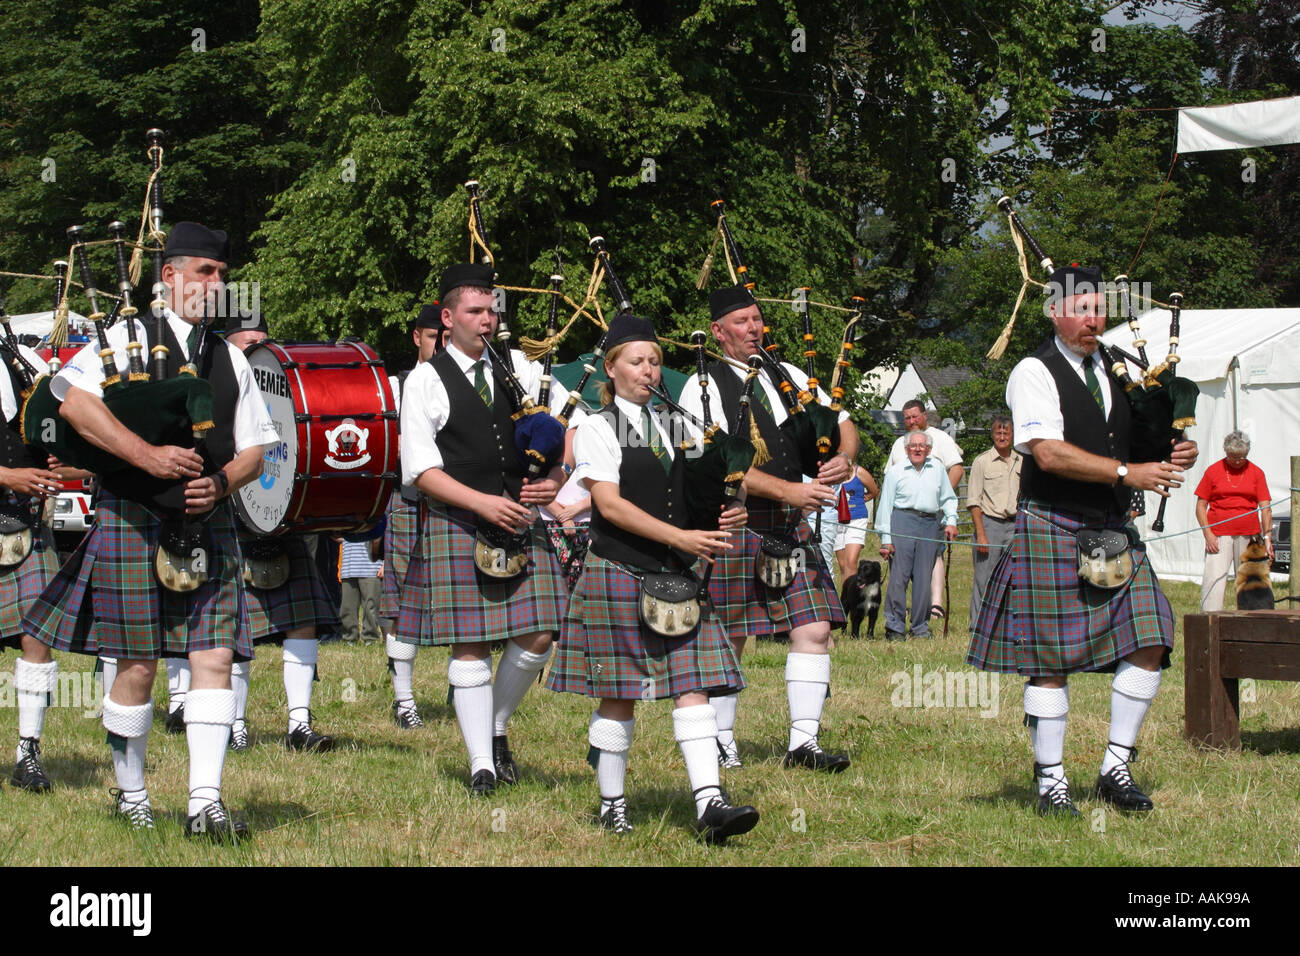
[1254,591]
[860,596]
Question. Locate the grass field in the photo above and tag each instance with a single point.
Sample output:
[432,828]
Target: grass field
[937,785]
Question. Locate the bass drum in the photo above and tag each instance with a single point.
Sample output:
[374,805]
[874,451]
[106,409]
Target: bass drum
[336,462]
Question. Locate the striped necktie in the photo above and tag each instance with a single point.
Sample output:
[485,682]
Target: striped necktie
[1094,386]
[651,434]
[763,401]
[481,385]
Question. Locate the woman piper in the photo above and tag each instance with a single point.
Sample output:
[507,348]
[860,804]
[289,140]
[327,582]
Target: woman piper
[638,528]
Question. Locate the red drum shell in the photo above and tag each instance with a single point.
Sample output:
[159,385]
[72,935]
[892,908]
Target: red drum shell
[336,463]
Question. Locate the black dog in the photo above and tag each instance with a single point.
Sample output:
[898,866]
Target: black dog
[861,597]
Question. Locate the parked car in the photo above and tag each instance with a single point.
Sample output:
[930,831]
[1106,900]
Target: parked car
[74,513]
[1281,545]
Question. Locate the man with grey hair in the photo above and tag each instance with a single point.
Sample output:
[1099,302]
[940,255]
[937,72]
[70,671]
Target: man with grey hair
[1232,506]
[915,495]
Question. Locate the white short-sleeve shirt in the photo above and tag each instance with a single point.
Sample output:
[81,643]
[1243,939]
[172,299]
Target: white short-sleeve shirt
[1035,401]
[252,427]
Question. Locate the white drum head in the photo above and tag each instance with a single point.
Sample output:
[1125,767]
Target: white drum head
[262,503]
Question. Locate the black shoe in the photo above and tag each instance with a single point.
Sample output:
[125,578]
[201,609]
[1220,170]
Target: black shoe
[1118,789]
[814,758]
[1055,801]
[894,636]
[239,739]
[482,783]
[139,816]
[304,738]
[408,718]
[214,822]
[614,817]
[729,758]
[175,722]
[721,820]
[504,761]
[28,774]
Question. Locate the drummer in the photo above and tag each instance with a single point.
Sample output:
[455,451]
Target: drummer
[291,613]
[638,526]
[458,450]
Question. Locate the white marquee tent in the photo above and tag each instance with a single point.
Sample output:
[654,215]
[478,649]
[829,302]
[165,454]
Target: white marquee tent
[1247,365]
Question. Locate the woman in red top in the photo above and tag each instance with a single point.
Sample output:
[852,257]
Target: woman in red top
[1233,498]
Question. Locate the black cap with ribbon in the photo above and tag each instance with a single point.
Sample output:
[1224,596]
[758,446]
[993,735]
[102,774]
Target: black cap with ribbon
[466,274]
[725,301]
[195,239]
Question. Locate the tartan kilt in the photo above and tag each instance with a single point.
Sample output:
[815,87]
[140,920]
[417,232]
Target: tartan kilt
[1039,618]
[445,600]
[300,602]
[107,600]
[606,652]
[22,585]
[570,544]
[748,606]
[399,542]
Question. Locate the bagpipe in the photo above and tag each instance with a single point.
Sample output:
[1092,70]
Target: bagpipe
[20,514]
[539,436]
[161,408]
[1163,405]
[811,428]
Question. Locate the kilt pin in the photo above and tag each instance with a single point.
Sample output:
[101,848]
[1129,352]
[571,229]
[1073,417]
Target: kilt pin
[301,601]
[21,586]
[446,600]
[107,600]
[1039,618]
[605,651]
[745,605]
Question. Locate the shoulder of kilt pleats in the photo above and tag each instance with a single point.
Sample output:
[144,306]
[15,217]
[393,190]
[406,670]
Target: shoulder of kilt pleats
[61,615]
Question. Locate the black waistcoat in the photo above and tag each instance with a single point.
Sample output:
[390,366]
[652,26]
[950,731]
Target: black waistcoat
[785,457]
[477,443]
[218,446]
[1086,428]
[13,452]
[643,482]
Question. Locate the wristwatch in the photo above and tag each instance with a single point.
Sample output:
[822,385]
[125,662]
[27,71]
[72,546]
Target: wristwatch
[1120,474]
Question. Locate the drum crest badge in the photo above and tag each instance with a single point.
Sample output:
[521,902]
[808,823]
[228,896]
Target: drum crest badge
[347,446]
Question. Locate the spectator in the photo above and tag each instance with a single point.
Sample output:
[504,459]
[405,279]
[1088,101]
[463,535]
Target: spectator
[912,501]
[1232,499]
[842,543]
[949,455]
[360,580]
[991,499]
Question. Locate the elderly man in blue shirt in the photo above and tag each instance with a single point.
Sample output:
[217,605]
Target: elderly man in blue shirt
[915,497]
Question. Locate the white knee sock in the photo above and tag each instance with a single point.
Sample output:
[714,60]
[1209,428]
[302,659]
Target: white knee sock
[208,715]
[612,739]
[806,678]
[178,682]
[515,674]
[300,654]
[696,730]
[240,675]
[1131,693]
[725,705]
[128,733]
[471,683]
[1047,708]
[34,684]
[401,657]
[109,666]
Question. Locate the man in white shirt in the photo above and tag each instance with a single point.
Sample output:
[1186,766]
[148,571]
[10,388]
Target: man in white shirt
[1039,618]
[915,499]
[808,607]
[949,455]
[111,578]
[458,450]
